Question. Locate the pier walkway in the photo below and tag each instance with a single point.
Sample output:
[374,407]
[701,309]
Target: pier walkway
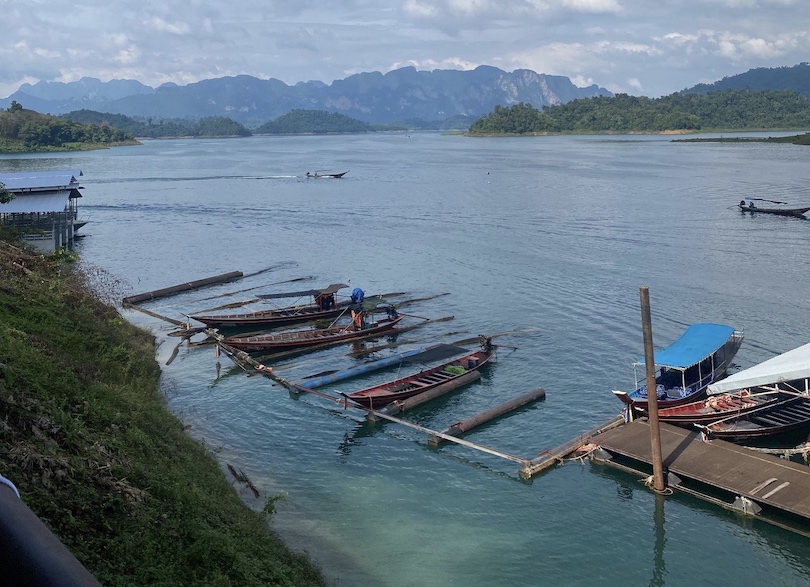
[755,479]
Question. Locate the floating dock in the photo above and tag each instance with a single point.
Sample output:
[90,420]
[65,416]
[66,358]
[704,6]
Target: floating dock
[756,483]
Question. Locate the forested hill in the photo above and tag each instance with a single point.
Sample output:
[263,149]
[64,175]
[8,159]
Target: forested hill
[795,78]
[25,131]
[313,121]
[730,110]
[295,122]
[212,126]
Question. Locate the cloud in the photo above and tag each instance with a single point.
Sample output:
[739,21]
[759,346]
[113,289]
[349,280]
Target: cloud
[593,6]
[158,24]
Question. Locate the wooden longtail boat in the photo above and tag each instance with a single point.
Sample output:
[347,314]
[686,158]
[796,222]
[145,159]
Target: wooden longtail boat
[300,339]
[717,407]
[405,387]
[788,377]
[769,420]
[754,209]
[327,175]
[686,367]
[323,307]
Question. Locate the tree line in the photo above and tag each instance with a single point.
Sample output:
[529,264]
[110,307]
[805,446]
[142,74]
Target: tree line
[149,127]
[729,110]
[24,130]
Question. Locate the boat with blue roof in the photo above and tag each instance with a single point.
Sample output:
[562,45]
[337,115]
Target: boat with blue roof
[685,368]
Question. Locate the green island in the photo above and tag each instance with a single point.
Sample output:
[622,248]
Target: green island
[736,110]
[89,442]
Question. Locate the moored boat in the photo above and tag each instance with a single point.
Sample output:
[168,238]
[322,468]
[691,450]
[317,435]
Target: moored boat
[324,306]
[717,407]
[786,376]
[768,421]
[301,339]
[411,385]
[685,368]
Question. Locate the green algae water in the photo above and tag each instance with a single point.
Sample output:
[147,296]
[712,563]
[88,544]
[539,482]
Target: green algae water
[549,236]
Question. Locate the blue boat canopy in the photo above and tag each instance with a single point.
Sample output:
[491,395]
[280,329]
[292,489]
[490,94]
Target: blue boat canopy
[695,344]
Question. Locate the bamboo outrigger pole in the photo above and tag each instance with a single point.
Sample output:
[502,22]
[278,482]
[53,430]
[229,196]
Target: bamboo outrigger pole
[659,485]
[241,356]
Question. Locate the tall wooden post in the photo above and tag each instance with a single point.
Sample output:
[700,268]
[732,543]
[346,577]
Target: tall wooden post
[652,397]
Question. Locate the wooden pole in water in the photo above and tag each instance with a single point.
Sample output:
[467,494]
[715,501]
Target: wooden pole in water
[168,291]
[659,485]
[460,428]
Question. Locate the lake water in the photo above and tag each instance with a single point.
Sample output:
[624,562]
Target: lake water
[551,236]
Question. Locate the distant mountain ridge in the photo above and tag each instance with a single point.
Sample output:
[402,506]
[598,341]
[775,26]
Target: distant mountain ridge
[401,94]
[796,77]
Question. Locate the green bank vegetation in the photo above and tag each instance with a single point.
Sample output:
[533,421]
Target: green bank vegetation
[87,439]
[150,127]
[729,110]
[26,131]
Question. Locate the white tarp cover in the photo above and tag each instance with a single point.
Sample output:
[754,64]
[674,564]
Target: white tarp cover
[788,366]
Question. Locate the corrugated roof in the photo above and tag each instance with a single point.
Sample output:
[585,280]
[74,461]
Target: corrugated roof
[38,180]
[47,202]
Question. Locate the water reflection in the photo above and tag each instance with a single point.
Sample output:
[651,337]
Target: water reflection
[659,564]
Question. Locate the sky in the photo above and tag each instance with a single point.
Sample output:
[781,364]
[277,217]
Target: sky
[640,47]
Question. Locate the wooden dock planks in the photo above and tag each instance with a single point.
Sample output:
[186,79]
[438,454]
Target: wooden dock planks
[765,479]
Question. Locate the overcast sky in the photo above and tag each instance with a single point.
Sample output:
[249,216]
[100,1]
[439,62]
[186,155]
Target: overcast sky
[641,47]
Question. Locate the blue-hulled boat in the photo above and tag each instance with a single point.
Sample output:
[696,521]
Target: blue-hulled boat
[685,368]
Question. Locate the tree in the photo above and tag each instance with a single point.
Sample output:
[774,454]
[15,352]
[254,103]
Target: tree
[5,195]
[15,106]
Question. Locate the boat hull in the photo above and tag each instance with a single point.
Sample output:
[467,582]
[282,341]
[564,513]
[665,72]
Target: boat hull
[302,339]
[800,212]
[418,383]
[281,317]
[716,408]
[773,420]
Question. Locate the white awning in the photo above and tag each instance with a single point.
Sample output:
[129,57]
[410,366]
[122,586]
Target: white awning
[27,203]
[788,366]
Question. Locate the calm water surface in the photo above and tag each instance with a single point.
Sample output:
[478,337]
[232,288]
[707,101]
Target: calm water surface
[552,236]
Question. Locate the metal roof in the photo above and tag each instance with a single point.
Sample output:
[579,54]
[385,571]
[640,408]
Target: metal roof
[40,180]
[695,344]
[47,202]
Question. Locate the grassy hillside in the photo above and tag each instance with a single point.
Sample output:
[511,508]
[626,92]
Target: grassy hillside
[87,439]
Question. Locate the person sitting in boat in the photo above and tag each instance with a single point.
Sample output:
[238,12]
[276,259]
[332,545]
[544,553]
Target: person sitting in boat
[751,205]
[742,203]
[325,301]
